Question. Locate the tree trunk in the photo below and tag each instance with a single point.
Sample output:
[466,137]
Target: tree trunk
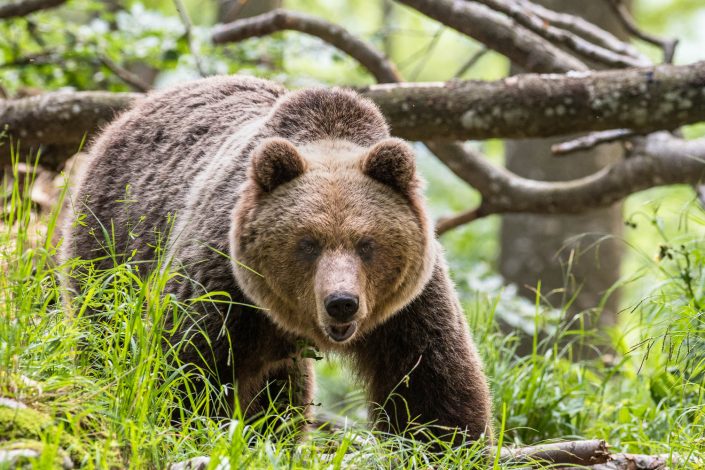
[567,253]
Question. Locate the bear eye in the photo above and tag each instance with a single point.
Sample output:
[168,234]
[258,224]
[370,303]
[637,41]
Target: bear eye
[366,248]
[309,248]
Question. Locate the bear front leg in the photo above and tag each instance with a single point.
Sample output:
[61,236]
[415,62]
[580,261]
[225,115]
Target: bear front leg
[422,369]
[283,397]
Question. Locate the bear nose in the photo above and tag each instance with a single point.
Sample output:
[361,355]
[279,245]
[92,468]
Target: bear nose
[341,306]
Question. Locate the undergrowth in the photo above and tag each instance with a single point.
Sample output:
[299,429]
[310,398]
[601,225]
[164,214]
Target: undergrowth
[102,391]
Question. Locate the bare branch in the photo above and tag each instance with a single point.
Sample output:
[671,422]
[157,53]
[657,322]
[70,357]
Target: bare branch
[590,452]
[591,140]
[522,46]
[662,160]
[644,100]
[525,17]
[583,28]
[58,119]
[125,75]
[280,20]
[23,8]
[474,59]
[646,462]
[444,224]
[667,45]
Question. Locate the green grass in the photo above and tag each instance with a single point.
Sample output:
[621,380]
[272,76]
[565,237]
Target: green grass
[102,390]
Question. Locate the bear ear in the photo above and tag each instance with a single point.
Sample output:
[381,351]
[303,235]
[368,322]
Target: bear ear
[275,162]
[392,162]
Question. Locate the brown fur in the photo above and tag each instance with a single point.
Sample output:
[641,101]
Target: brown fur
[308,191]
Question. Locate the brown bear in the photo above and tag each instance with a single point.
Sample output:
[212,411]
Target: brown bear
[302,208]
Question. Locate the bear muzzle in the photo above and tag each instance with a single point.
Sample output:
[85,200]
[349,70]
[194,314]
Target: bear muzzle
[341,307]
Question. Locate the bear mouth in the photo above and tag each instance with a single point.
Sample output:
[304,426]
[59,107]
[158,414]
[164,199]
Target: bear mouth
[341,332]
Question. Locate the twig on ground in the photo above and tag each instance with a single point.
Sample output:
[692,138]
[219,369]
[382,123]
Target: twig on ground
[590,452]
[667,45]
[644,462]
[23,8]
[591,140]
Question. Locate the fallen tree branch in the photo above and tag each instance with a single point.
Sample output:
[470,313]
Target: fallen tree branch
[533,105]
[564,453]
[644,462]
[662,160]
[59,119]
[24,8]
[280,20]
[644,100]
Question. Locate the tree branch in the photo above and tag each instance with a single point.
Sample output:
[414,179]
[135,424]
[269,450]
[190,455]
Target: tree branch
[523,47]
[523,106]
[531,105]
[188,26]
[280,20]
[590,452]
[445,224]
[662,160]
[523,15]
[132,79]
[591,140]
[58,119]
[667,45]
[583,28]
[24,8]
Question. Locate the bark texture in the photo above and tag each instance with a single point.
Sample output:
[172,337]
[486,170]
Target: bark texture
[531,105]
[543,105]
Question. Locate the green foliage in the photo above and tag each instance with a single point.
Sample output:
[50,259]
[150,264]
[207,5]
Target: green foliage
[66,47]
[101,388]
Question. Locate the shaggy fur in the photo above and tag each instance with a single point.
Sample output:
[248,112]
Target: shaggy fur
[284,200]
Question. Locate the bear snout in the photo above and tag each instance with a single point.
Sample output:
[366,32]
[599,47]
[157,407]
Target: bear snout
[341,306]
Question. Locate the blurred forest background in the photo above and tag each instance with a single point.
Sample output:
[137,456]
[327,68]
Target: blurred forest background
[636,378]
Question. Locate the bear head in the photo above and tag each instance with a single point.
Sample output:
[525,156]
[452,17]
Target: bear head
[331,238]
